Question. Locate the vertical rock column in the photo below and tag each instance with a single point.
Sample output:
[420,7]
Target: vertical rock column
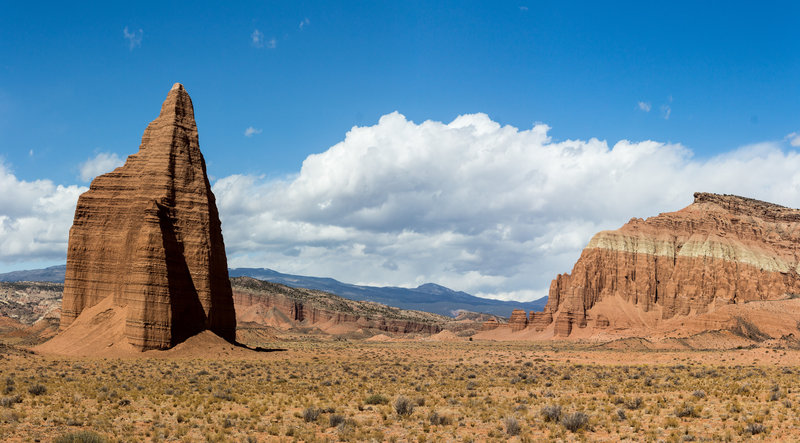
[148,234]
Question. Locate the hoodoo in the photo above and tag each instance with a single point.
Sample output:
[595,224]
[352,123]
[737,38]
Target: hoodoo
[720,250]
[147,238]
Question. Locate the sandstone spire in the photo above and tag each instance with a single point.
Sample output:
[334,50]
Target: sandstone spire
[148,235]
[722,249]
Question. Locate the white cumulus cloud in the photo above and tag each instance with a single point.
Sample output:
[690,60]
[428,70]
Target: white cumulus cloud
[99,164]
[250,131]
[794,139]
[645,106]
[472,204]
[35,217]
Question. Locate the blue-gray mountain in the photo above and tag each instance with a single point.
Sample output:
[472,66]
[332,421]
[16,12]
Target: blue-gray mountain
[428,297]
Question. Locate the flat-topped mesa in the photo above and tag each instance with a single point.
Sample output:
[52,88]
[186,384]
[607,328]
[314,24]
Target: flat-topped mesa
[148,235]
[721,249]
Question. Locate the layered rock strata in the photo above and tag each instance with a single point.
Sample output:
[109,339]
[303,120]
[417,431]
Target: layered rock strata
[148,235]
[257,300]
[721,249]
[518,320]
[490,325]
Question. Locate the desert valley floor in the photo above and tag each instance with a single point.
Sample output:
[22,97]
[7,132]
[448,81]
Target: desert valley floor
[323,389]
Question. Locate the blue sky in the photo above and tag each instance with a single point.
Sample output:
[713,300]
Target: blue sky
[79,82]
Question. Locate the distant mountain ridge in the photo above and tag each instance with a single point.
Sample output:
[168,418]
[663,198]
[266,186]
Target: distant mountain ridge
[52,274]
[428,297]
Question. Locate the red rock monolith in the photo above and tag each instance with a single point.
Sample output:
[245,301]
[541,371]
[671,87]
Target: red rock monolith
[148,235]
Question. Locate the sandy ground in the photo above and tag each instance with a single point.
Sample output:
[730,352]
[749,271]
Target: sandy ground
[197,392]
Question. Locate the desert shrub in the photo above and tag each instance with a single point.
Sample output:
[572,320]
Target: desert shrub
[403,405]
[7,402]
[81,437]
[512,426]
[37,389]
[621,414]
[551,412]
[335,420]
[224,394]
[9,386]
[699,394]
[744,388]
[575,421]
[310,414]
[439,420]
[634,403]
[376,399]
[754,428]
[686,410]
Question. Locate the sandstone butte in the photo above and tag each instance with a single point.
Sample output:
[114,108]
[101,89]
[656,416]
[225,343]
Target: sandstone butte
[147,238]
[718,259]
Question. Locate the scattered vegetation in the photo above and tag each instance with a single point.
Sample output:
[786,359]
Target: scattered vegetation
[323,390]
[80,437]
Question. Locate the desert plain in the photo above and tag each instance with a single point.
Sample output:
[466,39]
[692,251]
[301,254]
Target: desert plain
[305,388]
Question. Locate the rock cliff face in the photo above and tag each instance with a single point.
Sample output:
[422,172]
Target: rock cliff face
[518,320]
[148,235]
[261,302]
[721,249]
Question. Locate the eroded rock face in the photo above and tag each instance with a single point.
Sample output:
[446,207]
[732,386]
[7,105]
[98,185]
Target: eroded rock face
[309,308]
[721,249]
[148,234]
[490,325]
[518,320]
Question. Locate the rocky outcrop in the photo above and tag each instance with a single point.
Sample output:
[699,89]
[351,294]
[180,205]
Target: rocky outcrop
[518,320]
[148,235]
[721,249]
[490,325]
[260,302]
[540,320]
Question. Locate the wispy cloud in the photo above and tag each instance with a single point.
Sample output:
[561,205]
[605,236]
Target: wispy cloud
[523,8]
[645,106]
[251,131]
[100,164]
[258,40]
[305,22]
[666,111]
[134,38]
